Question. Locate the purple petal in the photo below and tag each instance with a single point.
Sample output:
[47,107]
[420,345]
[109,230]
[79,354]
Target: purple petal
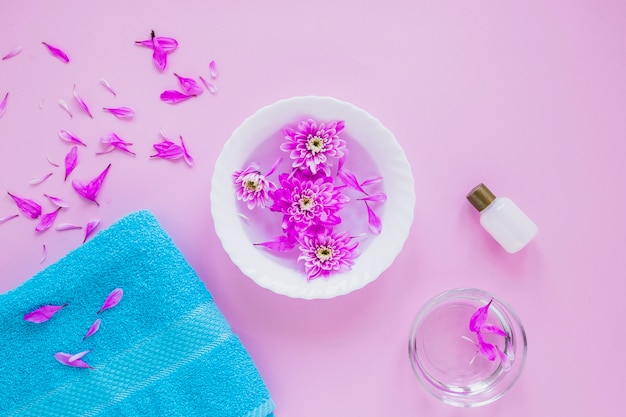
[504,360]
[121,112]
[115,142]
[13,53]
[106,85]
[43,313]
[486,349]
[90,228]
[494,330]
[71,160]
[209,86]
[375,224]
[67,136]
[281,243]
[54,164]
[174,96]
[3,105]
[94,328]
[29,208]
[43,254]
[56,52]
[64,358]
[40,180]
[189,85]
[90,190]
[47,220]
[7,218]
[349,179]
[186,154]
[159,56]
[63,105]
[274,166]
[112,299]
[78,355]
[57,201]
[167,150]
[168,44]
[82,103]
[213,69]
[371,181]
[377,196]
[478,319]
[67,226]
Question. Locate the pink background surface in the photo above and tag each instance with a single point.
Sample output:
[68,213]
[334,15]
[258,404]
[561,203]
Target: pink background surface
[527,97]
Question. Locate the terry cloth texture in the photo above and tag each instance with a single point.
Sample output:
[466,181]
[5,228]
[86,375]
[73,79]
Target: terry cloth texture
[164,350]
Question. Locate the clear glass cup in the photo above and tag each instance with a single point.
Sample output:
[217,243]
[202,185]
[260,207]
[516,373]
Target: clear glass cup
[444,352]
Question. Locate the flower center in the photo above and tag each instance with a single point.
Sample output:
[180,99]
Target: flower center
[251,183]
[324,253]
[306,203]
[315,144]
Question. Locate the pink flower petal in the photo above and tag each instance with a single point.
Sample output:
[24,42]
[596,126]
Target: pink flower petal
[3,105]
[57,201]
[168,44]
[82,103]
[159,56]
[186,154]
[43,254]
[280,243]
[371,181]
[120,112]
[90,190]
[209,86]
[13,53]
[67,136]
[56,52]
[375,224]
[71,160]
[115,142]
[90,228]
[29,208]
[377,196]
[47,220]
[189,85]
[64,358]
[504,360]
[54,164]
[106,85]
[64,106]
[486,349]
[94,328]
[174,96]
[213,69]
[41,104]
[494,330]
[167,150]
[7,218]
[43,313]
[67,226]
[40,180]
[478,319]
[112,299]
[273,167]
[78,355]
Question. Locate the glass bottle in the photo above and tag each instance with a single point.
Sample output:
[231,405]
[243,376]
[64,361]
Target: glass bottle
[503,219]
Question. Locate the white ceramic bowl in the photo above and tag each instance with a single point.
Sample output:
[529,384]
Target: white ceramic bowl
[367,140]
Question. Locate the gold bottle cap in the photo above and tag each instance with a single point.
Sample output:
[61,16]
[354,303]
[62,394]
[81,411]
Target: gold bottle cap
[480,197]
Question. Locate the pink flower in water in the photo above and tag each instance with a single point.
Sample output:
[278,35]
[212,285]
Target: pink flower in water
[312,144]
[327,252]
[252,186]
[307,200]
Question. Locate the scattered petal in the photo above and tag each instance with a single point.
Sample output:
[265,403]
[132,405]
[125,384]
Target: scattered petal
[494,330]
[41,104]
[54,164]
[57,201]
[189,85]
[67,136]
[167,150]
[29,208]
[56,52]
[106,85]
[186,154]
[71,160]
[213,69]
[64,358]
[159,56]
[115,142]
[13,53]
[120,112]
[82,103]
[350,180]
[174,96]
[67,226]
[94,328]
[209,86]
[504,360]
[478,319]
[43,313]
[47,220]
[63,105]
[90,228]
[377,196]
[3,105]
[371,181]
[112,299]
[375,224]
[44,254]
[168,44]
[78,355]
[40,180]
[90,190]
[7,218]
[280,243]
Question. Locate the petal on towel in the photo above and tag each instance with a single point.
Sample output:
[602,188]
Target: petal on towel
[94,328]
[43,313]
[64,358]
[29,208]
[78,355]
[112,299]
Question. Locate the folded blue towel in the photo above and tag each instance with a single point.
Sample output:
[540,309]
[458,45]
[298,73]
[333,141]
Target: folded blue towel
[164,350]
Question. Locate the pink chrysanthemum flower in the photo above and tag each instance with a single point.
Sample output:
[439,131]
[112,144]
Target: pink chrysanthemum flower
[307,200]
[312,144]
[252,186]
[327,252]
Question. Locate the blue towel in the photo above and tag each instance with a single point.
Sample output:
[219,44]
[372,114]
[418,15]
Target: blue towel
[164,350]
